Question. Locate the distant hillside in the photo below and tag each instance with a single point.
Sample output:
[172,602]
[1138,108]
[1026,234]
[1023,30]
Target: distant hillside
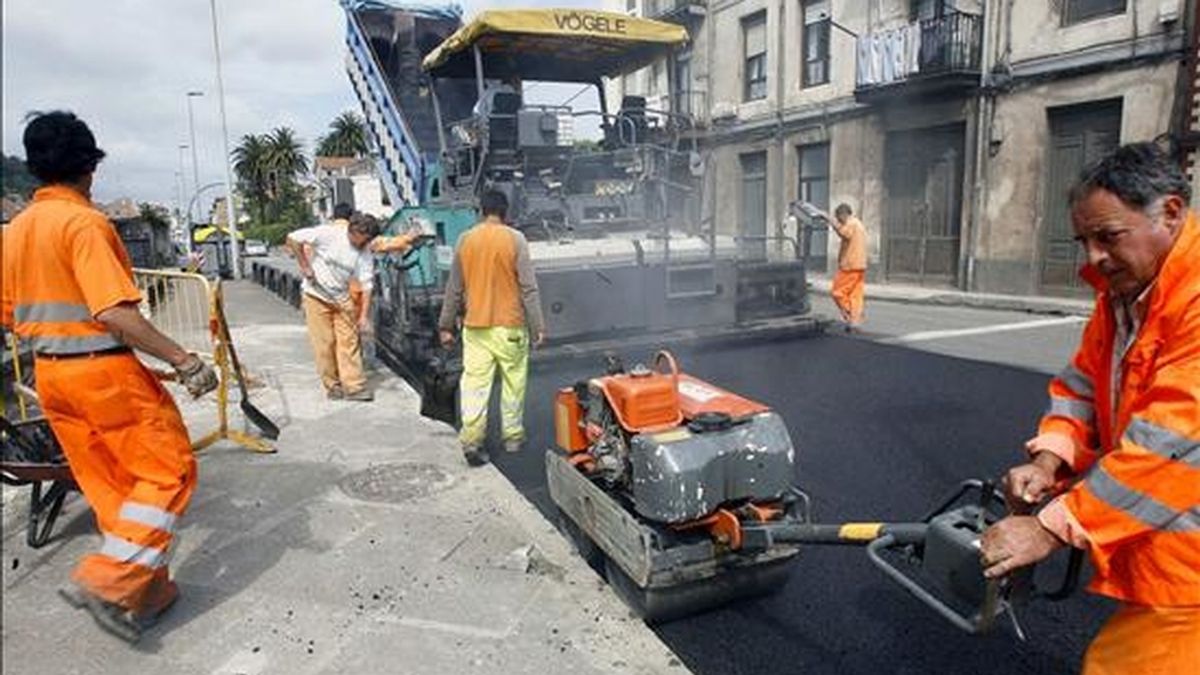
[16,178]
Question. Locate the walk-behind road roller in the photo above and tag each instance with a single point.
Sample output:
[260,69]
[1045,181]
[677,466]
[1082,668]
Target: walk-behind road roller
[681,494]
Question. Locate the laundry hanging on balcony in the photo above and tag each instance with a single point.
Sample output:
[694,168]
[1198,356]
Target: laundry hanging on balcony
[889,56]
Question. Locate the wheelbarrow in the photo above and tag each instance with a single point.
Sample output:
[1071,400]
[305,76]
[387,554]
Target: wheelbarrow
[30,455]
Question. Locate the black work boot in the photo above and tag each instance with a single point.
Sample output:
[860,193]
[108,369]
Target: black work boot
[475,455]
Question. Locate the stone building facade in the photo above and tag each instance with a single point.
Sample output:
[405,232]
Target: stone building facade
[953,127]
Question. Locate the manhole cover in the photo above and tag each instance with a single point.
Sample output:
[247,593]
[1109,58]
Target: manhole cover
[395,482]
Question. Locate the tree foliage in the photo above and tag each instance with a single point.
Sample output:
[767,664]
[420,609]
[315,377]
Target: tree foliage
[347,137]
[16,178]
[269,168]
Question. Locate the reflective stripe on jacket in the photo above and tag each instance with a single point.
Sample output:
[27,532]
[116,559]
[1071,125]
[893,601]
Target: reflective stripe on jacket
[1136,449]
[63,265]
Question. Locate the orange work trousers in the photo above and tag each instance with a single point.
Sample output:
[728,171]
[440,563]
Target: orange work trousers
[1147,641]
[129,452]
[333,332]
[849,294]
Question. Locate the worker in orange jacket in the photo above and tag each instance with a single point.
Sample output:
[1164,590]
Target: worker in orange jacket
[68,291]
[1119,447]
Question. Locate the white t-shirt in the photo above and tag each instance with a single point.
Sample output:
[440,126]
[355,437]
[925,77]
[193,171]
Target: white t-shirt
[335,262]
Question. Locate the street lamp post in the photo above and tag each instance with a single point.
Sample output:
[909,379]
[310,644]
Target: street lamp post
[186,217]
[192,132]
[230,211]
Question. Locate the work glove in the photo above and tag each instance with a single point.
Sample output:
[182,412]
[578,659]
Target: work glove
[197,376]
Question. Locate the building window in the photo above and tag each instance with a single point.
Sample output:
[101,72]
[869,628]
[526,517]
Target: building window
[816,42]
[656,70]
[754,41]
[681,98]
[1078,11]
[631,7]
[814,189]
[752,244]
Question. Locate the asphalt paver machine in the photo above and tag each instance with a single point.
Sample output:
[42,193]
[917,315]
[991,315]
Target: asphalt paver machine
[681,493]
[620,225]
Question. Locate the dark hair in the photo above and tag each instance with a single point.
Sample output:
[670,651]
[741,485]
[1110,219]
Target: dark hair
[365,224]
[493,203]
[342,211]
[843,209]
[1137,174]
[59,147]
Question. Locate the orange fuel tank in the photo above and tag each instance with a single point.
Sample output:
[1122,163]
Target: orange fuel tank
[568,421]
[643,399]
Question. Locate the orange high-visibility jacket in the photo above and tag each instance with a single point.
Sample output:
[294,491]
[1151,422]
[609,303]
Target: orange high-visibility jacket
[63,265]
[1133,438]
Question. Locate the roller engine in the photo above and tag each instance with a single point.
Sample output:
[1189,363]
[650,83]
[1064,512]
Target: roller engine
[676,448]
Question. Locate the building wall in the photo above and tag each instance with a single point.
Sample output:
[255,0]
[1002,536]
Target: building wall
[1033,29]
[1040,64]
[856,178]
[369,197]
[1009,239]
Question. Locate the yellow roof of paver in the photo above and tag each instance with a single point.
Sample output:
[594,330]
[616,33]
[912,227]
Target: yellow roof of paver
[557,45]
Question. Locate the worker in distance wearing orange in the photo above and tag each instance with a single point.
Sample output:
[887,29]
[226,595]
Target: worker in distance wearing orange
[68,291]
[849,282]
[1122,432]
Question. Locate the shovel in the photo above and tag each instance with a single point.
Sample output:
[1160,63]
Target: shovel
[252,413]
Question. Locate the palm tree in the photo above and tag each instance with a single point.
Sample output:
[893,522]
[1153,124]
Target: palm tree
[268,166]
[252,169]
[347,137]
[285,160]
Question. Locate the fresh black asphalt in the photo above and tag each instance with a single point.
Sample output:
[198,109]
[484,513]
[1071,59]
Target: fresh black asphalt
[882,433]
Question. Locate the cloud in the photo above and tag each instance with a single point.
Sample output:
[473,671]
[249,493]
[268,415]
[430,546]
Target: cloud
[125,66]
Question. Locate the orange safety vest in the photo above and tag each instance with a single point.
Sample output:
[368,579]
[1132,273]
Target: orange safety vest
[1136,438]
[63,265]
[488,255]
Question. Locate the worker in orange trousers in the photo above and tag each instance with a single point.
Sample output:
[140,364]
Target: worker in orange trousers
[849,283]
[1118,450]
[68,291]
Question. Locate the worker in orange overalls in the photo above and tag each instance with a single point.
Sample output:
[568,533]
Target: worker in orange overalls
[849,282]
[1122,433]
[68,291]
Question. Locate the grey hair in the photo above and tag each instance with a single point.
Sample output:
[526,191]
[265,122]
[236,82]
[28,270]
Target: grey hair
[1139,174]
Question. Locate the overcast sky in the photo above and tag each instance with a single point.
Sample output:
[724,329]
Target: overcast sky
[125,66]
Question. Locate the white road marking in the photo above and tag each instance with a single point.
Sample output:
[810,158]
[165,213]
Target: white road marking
[982,330]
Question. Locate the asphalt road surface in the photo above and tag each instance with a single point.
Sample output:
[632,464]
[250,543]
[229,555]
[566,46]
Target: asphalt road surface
[882,432]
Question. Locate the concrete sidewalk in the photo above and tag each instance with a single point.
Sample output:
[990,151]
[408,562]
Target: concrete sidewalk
[364,546]
[1034,304]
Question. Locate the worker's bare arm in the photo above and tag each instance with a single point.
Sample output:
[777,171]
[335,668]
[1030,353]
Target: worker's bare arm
[128,325]
[302,254]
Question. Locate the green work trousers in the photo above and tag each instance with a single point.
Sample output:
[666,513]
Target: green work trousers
[485,350]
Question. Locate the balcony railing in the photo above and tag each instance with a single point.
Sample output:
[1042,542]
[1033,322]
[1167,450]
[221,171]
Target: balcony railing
[692,103]
[924,49]
[674,10]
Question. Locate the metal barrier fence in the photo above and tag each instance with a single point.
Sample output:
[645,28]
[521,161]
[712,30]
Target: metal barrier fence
[181,305]
[188,308]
